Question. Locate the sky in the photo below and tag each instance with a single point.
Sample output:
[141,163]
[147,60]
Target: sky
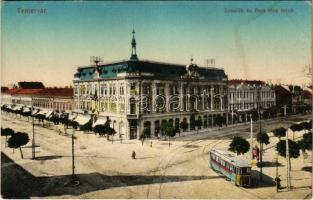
[48,47]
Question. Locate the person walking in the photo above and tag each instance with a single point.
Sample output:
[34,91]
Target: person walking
[134,155]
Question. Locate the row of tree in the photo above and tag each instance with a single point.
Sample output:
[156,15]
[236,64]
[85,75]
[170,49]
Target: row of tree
[240,146]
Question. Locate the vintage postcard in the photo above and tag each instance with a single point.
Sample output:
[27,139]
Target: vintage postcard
[156,99]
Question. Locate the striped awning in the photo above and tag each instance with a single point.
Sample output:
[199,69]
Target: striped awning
[99,121]
[26,109]
[71,117]
[34,112]
[49,113]
[42,112]
[82,119]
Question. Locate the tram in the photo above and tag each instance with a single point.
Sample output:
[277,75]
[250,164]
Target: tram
[235,168]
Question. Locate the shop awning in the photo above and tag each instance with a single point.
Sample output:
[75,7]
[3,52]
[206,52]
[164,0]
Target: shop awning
[17,107]
[49,113]
[34,112]
[71,117]
[26,110]
[82,120]
[99,121]
[42,112]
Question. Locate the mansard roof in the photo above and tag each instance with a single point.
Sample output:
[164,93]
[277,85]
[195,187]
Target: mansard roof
[157,70]
[250,82]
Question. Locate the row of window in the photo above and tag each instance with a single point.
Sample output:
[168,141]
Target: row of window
[251,95]
[228,166]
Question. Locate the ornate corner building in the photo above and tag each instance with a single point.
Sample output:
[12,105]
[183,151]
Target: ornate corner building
[137,94]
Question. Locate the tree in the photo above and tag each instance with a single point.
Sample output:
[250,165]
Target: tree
[220,120]
[294,128]
[306,142]
[110,131]
[198,124]
[262,138]
[6,132]
[170,132]
[183,125]
[17,140]
[306,125]
[279,132]
[145,133]
[239,145]
[294,149]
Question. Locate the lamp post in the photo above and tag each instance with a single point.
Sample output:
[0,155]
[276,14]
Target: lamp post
[74,181]
[33,139]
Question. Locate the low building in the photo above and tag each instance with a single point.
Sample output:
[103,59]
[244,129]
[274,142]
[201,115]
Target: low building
[245,96]
[58,99]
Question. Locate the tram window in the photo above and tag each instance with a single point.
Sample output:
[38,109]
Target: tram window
[245,170]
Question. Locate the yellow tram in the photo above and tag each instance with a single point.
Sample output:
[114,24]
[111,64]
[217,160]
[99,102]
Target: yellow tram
[235,168]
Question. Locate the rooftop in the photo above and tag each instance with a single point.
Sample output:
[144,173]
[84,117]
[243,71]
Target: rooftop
[250,82]
[31,85]
[231,157]
[157,70]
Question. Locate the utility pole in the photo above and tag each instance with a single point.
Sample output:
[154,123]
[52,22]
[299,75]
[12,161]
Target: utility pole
[251,136]
[287,158]
[73,157]
[260,126]
[277,181]
[33,140]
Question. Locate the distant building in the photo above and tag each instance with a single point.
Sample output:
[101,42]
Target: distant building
[245,96]
[283,99]
[24,96]
[137,94]
[307,96]
[58,99]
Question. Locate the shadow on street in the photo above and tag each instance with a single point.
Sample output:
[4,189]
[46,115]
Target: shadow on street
[19,183]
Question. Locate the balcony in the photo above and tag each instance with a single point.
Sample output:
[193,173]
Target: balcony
[132,116]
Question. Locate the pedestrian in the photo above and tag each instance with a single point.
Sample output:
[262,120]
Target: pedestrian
[151,144]
[134,155]
[277,183]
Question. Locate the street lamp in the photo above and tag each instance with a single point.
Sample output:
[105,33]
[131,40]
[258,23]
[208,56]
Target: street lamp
[33,139]
[74,181]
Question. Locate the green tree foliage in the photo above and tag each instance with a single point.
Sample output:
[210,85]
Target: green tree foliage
[263,138]
[306,142]
[279,132]
[145,133]
[306,125]
[239,145]
[17,140]
[198,123]
[294,149]
[169,131]
[6,132]
[183,125]
[220,120]
[296,127]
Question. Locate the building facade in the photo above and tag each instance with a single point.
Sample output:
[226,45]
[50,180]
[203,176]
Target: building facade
[57,99]
[137,94]
[54,99]
[245,96]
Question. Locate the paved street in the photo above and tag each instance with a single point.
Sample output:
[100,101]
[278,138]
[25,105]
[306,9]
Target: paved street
[106,170]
